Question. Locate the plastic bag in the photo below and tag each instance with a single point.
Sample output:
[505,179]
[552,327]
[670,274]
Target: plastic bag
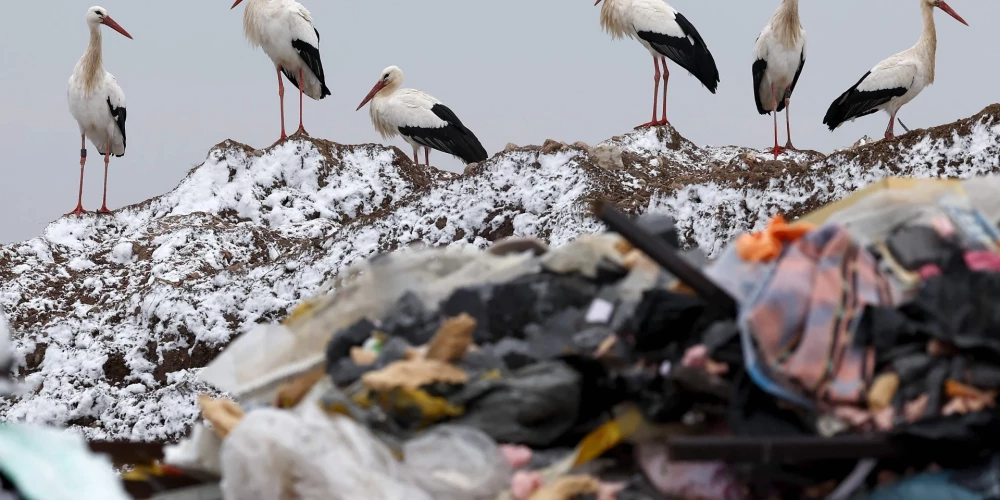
[49,463]
[457,463]
[533,406]
[702,480]
[305,454]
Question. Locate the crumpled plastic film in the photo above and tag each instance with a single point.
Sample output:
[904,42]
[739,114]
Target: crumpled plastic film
[457,463]
[258,361]
[282,454]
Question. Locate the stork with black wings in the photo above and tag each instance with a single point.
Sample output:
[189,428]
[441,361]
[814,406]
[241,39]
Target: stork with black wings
[779,55]
[895,81]
[423,121]
[284,29]
[667,34]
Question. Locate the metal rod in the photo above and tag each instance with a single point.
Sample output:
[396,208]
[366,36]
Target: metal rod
[667,257]
[782,449]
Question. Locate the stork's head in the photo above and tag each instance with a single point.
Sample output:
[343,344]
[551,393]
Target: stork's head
[941,4]
[99,15]
[391,78]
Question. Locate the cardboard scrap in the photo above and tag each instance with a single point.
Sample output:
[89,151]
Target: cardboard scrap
[452,340]
[412,374]
[224,414]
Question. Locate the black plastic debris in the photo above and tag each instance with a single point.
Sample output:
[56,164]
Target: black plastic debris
[410,320]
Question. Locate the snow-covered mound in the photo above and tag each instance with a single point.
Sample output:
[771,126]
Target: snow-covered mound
[112,313]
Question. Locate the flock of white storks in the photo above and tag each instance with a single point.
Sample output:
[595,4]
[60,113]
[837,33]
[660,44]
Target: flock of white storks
[284,30]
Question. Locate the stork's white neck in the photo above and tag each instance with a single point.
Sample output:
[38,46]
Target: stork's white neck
[92,62]
[384,127]
[614,17]
[253,16]
[786,22]
[926,47]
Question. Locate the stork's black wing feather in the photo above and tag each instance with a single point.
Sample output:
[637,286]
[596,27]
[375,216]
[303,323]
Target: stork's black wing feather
[857,103]
[689,52]
[759,67]
[119,115]
[310,56]
[453,138]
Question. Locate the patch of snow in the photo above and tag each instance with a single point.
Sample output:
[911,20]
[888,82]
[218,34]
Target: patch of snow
[116,314]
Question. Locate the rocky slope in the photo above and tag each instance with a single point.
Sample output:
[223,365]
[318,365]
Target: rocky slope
[111,314]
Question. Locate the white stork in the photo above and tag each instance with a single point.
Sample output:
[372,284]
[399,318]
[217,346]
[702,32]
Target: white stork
[284,29]
[422,120]
[666,33]
[779,55]
[97,102]
[894,81]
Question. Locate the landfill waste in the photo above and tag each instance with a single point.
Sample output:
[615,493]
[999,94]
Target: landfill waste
[852,353]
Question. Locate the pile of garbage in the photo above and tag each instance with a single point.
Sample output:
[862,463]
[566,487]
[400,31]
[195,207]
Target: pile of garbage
[853,353]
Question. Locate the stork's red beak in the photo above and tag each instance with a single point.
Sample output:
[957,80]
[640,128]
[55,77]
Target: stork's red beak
[237,2]
[951,12]
[378,86]
[115,26]
[597,2]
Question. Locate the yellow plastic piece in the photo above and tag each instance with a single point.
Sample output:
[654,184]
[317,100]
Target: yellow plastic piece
[608,436]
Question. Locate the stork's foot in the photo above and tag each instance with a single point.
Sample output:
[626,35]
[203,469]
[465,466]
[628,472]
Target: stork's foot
[281,139]
[776,150]
[301,131]
[654,123]
[889,135]
[78,211]
[104,210]
[789,147]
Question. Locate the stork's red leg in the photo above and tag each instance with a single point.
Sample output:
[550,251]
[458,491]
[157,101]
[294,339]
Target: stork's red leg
[788,124]
[302,129]
[83,162]
[427,156]
[104,201]
[666,78]
[774,107]
[888,131]
[656,94]
[416,156]
[281,101]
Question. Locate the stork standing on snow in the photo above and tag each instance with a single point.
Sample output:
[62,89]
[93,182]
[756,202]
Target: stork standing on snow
[779,55]
[421,119]
[894,81]
[284,29]
[666,34]
[97,102]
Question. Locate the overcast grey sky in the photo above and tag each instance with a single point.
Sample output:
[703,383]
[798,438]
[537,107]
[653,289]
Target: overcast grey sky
[514,71]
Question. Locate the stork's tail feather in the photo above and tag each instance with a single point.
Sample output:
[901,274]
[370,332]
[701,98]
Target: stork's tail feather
[706,71]
[325,92]
[839,110]
[472,150]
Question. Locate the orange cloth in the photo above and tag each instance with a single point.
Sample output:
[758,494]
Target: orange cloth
[766,245]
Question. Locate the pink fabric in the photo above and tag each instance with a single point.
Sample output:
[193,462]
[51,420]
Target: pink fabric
[704,481]
[517,455]
[695,356]
[977,260]
[524,483]
[929,271]
[982,260]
